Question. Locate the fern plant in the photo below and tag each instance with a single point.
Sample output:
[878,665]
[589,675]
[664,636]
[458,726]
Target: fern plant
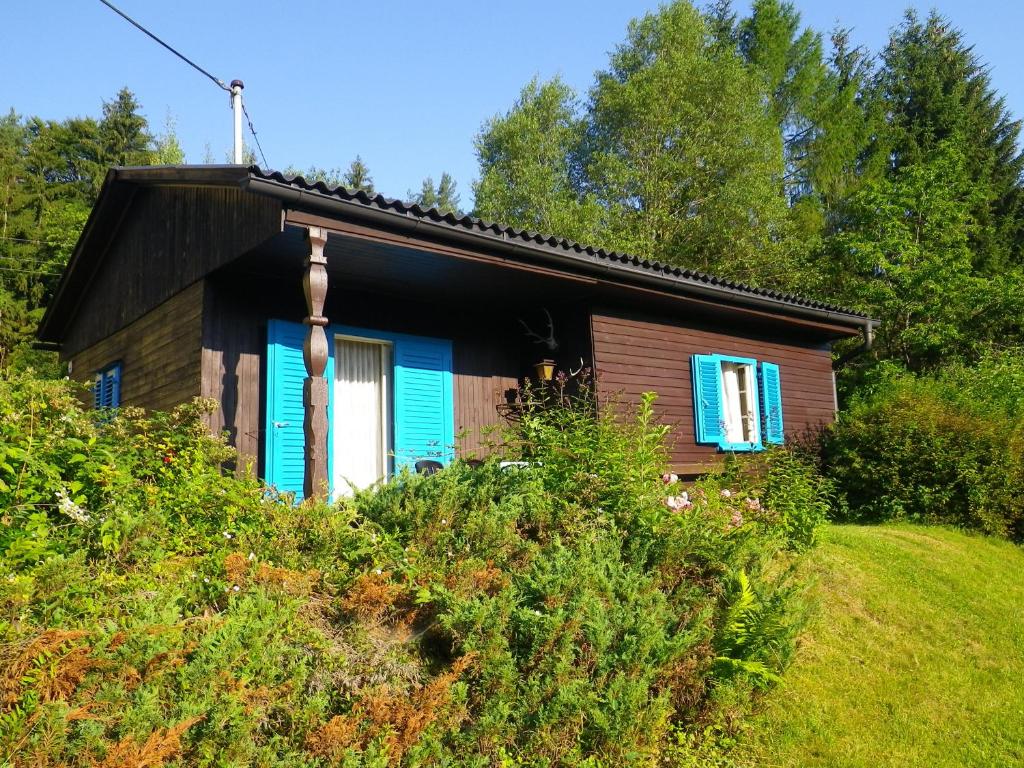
[754,634]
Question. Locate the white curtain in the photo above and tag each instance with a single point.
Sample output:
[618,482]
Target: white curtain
[732,409]
[359,415]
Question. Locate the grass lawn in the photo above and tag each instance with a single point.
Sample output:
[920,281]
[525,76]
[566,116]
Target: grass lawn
[914,657]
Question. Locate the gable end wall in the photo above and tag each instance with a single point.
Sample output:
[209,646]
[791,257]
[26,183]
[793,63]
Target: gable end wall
[169,238]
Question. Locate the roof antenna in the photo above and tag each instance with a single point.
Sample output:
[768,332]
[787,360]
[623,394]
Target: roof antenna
[236,109]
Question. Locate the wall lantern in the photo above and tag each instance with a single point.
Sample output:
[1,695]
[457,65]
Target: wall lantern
[545,370]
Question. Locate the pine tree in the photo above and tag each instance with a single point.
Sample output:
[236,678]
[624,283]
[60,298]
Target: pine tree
[123,132]
[357,177]
[934,89]
[442,196]
[50,173]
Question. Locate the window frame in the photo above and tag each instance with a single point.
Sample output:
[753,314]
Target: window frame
[748,446]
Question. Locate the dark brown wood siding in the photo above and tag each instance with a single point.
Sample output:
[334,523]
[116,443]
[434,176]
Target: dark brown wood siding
[169,238]
[487,354]
[234,343]
[484,371]
[159,354]
[636,355]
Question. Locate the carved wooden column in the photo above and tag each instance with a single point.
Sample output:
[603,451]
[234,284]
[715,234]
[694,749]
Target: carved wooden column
[314,354]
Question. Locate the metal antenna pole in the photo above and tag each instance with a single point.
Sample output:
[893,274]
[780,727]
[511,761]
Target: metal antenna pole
[236,109]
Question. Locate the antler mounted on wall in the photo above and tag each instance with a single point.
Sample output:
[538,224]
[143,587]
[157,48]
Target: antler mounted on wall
[549,341]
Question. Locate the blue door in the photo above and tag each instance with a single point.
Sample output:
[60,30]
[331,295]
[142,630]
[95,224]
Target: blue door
[422,419]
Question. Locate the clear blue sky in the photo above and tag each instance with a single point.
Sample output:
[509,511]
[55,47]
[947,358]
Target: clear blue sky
[405,85]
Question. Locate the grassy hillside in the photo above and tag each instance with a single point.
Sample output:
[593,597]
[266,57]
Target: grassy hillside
[915,657]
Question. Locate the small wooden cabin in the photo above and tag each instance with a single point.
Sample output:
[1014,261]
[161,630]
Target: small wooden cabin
[346,335]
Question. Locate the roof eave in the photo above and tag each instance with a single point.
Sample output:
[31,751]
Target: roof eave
[298,197]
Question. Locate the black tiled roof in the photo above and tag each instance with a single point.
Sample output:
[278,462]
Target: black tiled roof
[672,274]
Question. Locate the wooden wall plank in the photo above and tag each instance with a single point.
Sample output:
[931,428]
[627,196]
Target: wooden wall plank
[159,354]
[633,355]
[170,238]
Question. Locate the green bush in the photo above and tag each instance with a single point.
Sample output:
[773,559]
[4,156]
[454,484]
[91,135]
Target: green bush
[945,448]
[582,609]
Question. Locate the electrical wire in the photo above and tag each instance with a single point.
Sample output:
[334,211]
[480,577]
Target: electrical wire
[216,80]
[23,240]
[220,83]
[31,260]
[29,271]
[254,136]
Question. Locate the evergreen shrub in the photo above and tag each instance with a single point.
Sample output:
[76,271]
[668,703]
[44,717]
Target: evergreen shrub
[582,608]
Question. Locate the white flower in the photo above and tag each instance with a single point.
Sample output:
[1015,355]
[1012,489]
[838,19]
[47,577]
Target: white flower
[378,571]
[235,588]
[206,579]
[68,507]
[444,521]
[227,535]
[726,493]
[252,555]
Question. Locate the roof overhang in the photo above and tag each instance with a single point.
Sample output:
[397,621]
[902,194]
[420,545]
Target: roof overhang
[427,226]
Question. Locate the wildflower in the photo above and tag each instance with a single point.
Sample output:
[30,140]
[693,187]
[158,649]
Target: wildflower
[68,507]
[252,555]
[669,478]
[206,579]
[726,493]
[378,571]
[444,521]
[235,588]
[752,505]
[680,502]
[227,535]
[736,520]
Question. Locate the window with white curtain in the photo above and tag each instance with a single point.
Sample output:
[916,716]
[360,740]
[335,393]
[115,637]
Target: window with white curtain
[362,413]
[740,417]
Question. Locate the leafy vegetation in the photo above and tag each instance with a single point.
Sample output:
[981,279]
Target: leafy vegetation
[914,656]
[582,609]
[747,147]
[945,448]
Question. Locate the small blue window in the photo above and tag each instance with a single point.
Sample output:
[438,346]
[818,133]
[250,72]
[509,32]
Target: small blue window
[106,390]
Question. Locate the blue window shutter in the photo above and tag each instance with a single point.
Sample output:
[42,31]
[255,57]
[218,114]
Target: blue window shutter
[707,398]
[114,386]
[771,403]
[284,463]
[424,407]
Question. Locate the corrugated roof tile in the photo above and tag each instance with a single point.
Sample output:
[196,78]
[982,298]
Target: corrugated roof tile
[552,241]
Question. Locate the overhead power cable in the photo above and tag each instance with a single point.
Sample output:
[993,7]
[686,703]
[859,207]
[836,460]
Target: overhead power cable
[254,136]
[29,271]
[177,53]
[216,80]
